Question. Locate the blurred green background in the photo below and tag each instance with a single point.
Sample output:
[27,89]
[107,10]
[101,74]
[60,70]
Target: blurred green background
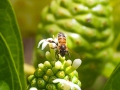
[28,17]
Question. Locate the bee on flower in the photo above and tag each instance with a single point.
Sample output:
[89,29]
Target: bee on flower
[58,73]
[58,44]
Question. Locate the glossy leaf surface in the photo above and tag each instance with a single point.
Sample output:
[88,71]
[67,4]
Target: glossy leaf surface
[8,73]
[11,35]
[114,81]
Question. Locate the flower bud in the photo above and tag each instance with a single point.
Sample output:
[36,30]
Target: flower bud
[33,83]
[53,62]
[62,59]
[48,55]
[60,74]
[67,77]
[52,78]
[30,78]
[69,69]
[47,64]
[41,83]
[51,87]
[75,80]
[72,74]
[79,83]
[49,72]
[76,63]
[39,73]
[46,77]
[67,63]
[55,70]
[58,65]
[60,86]
[76,73]
[42,66]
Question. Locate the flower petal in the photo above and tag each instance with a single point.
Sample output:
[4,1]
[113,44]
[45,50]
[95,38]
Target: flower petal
[40,43]
[49,39]
[59,81]
[74,86]
[77,87]
[33,88]
[44,44]
[66,85]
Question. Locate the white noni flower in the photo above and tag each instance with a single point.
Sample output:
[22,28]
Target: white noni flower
[67,85]
[33,88]
[52,43]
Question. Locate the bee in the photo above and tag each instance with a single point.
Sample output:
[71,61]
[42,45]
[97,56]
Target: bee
[61,45]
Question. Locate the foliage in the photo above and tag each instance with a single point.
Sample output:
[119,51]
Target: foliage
[11,50]
[114,81]
[87,24]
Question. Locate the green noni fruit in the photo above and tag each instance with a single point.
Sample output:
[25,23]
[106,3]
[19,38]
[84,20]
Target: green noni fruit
[88,27]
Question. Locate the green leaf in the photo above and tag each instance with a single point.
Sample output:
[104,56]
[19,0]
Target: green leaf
[4,86]
[8,71]
[114,81]
[11,34]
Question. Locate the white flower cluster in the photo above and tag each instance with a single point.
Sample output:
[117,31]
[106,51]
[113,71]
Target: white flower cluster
[67,85]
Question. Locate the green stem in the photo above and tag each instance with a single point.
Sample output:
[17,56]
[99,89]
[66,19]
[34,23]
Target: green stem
[52,51]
